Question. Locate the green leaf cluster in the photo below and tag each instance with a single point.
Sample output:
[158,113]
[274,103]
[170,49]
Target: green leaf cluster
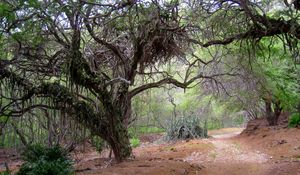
[40,160]
[135,142]
[294,120]
[280,72]
[6,11]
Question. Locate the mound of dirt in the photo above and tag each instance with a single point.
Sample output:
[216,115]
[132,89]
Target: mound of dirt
[10,158]
[279,141]
[256,126]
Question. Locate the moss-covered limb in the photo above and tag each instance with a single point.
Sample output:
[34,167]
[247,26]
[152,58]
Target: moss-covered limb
[167,80]
[62,99]
[14,78]
[59,94]
[107,123]
[82,111]
[81,74]
[80,71]
[271,27]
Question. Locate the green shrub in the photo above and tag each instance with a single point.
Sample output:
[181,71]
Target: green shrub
[98,143]
[40,160]
[5,173]
[294,120]
[238,120]
[132,132]
[214,123]
[134,142]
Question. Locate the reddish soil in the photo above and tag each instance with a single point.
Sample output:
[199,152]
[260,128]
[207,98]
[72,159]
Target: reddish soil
[10,158]
[258,150]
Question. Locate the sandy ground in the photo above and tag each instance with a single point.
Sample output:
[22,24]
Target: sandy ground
[226,153]
[259,151]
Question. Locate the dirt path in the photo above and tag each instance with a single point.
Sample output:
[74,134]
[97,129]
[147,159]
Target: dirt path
[230,157]
[223,154]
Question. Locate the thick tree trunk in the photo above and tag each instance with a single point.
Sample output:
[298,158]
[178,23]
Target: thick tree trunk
[117,114]
[116,135]
[119,139]
[119,142]
[127,114]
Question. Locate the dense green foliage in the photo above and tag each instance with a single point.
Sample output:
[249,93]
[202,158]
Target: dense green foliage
[98,143]
[135,142]
[294,120]
[4,173]
[40,160]
[279,73]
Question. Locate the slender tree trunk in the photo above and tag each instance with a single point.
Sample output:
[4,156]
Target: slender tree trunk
[272,116]
[2,135]
[277,110]
[20,134]
[269,113]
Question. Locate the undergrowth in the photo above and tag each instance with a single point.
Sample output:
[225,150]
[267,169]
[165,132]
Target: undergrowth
[98,143]
[294,120]
[41,160]
[134,142]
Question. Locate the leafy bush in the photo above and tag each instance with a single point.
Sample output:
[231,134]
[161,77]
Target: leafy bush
[294,120]
[135,142]
[5,173]
[40,160]
[239,120]
[98,143]
[214,123]
[185,128]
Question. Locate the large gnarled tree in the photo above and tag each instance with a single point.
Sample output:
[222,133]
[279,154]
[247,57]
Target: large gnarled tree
[83,57]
